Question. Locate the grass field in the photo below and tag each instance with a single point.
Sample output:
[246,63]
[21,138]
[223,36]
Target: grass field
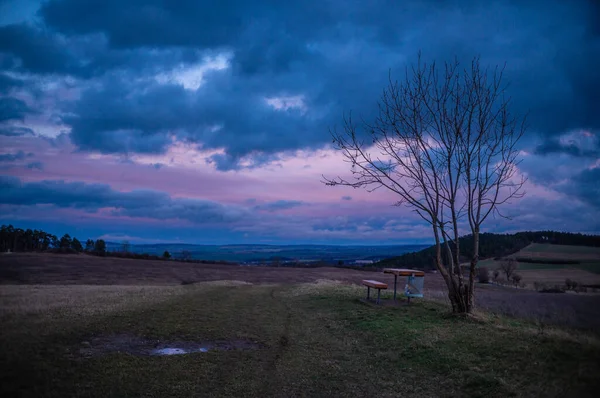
[553,272]
[315,339]
[562,252]
[588,257]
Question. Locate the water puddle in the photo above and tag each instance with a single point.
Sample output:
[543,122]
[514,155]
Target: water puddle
[176,351]
[134,345]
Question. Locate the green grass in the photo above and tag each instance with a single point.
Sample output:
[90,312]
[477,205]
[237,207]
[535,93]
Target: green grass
[588,258]
[589,266]
[561,249]
[593,267]
[319,340]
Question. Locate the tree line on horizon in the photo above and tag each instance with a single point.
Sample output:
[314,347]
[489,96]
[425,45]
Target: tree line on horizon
[491,245]
[28,240]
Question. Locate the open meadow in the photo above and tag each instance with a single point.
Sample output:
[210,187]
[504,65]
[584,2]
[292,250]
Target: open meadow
[553,264]
[86,326]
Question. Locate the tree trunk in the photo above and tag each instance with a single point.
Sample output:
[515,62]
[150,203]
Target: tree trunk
[459,299]
[474,261]
[458,293]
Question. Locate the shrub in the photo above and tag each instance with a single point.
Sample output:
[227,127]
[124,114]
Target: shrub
[509,267]
[581,289]
[496,274]
[516,278]
[571,284]
[483,274]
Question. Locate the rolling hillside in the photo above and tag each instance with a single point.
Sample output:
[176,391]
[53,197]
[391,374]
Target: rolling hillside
[538,256]
[579,249]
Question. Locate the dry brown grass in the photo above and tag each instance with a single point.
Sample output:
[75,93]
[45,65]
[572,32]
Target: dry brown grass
[67,302]
[158,280]
[558,276]
[60,269]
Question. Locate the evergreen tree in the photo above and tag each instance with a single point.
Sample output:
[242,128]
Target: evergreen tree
[89,245]
[100,247]
[76,245]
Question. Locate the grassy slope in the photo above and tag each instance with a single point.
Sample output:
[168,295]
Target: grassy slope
[564,251]
[496,245]
[320,341]
[589,258]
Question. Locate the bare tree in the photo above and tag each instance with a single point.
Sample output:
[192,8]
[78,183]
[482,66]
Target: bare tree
[509,266]
[445,142]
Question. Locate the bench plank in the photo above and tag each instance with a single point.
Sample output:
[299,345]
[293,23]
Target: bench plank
[374,284]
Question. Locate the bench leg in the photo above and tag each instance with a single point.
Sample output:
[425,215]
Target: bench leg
[395,283]
[378,295]
[368,293]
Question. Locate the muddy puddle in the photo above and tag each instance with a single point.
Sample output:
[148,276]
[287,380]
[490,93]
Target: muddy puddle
[134,345]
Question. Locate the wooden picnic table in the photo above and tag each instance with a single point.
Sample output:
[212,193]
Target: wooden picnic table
[402,272]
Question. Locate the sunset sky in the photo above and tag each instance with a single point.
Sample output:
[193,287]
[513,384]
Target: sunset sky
[207,121]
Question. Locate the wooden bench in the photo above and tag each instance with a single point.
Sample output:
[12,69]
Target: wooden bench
[375,285]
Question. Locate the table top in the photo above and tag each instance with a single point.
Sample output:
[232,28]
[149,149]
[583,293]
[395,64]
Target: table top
[403,271]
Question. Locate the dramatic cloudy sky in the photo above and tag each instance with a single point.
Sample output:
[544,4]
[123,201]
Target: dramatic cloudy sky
[207,121]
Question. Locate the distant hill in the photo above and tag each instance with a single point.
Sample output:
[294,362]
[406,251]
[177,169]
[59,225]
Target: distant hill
[269,253]
[491,246]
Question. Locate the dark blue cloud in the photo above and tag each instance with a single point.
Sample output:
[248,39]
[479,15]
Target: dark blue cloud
[335,54]
[116,118]
[35,166]
[161,23]
[149,23]
[346,197]
[11,157]
[35,50]
[121,116]
[576,149]
[7,83]
[139,204]
[279,205]
[226,161]
[548,214]
[14,131]
[13,109]
[585,186]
